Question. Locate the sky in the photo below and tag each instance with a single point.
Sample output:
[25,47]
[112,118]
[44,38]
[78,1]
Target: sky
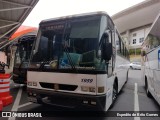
[46,9]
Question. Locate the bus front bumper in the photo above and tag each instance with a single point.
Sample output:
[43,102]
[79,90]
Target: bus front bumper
[69,100]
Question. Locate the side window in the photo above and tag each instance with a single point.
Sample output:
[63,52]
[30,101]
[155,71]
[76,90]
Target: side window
[153,39]
[110,24]
[118,43]
[112,40]
[43,45]
[111,28]
[126,53]
[122,48]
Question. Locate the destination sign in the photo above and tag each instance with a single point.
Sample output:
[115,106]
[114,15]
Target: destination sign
[54,27]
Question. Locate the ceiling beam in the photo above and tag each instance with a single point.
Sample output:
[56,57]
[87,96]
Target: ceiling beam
[3,20]
[15,8]
[4,26]
[10,30]
[13,3]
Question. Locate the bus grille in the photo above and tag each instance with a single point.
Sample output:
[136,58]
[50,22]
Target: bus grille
[60,86]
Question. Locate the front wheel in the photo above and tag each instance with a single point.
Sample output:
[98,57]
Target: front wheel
[115,92]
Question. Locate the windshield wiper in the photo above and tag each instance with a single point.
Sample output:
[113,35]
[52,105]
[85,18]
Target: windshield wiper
[66,50]
[43,64]
[69,58]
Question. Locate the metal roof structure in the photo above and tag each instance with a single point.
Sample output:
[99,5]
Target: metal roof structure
[12,15]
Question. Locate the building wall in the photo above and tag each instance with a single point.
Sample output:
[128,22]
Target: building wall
[137,37]
[134,38]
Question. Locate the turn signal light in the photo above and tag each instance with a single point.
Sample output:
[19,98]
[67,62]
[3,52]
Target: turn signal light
[88,89]
[100,89]
[29,83]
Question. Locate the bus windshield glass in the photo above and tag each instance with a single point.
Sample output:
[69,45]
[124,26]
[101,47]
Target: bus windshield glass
[23,51]
[68,44]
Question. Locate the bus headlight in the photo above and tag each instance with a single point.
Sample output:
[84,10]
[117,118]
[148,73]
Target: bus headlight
[85,89]
[101,89]
[34,83]
[29,83]
[88,89]
[92,89]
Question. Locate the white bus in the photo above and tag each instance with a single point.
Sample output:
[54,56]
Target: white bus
[77,61]
[151,61]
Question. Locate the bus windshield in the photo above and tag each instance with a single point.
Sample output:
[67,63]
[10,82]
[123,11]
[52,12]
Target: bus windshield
[23,51]
[68,44]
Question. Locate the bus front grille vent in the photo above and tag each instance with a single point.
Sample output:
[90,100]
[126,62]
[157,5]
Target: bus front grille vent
[58,86]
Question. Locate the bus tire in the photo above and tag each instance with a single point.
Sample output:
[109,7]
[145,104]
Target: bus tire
[114,93]
[147,90]
[131,67]
[127,77]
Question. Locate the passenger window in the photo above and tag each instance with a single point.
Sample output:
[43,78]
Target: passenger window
[153,39]
[118,43]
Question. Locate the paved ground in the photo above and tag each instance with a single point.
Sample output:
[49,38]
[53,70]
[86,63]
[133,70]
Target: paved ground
[131,98]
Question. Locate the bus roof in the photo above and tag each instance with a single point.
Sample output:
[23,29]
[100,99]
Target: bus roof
[22,30]
[76,15]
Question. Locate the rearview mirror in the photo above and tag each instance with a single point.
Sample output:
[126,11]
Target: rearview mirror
[107,51]
[34,52]
[143,53]
[106,33]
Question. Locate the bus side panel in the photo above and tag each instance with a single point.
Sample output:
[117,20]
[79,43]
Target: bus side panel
[121,68]
[103,80]
[157,85]
[156,74]
[150,82]
[153,65]
[149,67]
[109,83]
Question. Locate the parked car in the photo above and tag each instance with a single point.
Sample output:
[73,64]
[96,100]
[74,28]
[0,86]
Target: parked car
[135,65]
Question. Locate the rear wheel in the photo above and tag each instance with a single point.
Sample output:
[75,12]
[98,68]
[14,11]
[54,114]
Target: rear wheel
[147,89]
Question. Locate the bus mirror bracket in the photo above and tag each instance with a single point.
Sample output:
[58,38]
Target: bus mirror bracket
[99,53]
[143,53]
[106,33]
[34,52]
[107,51]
